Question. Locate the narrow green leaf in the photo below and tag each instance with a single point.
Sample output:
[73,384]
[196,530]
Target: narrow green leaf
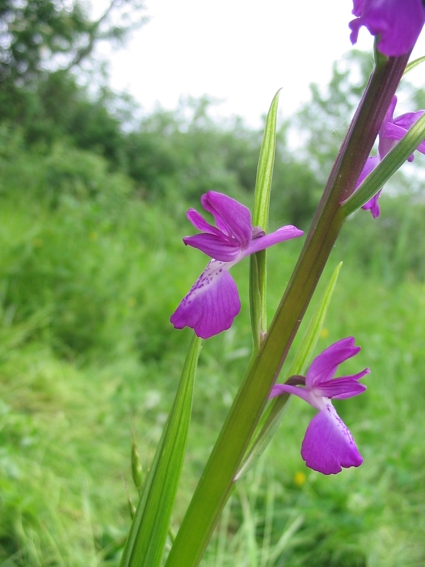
[257,297]
[308,344]
[414,64]
[136,466]
[263,183]
[260,217]
[386,168]
[148,533]
[273,414]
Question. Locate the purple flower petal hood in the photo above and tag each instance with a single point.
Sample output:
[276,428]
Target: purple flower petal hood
[328,444]
[398,23]
[213,301]
[392,130]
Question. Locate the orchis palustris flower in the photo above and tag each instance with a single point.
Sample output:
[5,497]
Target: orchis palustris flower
[398,23]
[328,445]
[213,302]
[392,130]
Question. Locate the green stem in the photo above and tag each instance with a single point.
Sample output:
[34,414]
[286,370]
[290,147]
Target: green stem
[217,480]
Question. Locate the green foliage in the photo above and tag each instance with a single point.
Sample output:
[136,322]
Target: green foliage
[64,172]
[59,109]
[92,266]
[41,41]
[87,356]
[167,154]
[383,247]
[34,32]
[187,152]
[40,36]
[148,534]
[296,190]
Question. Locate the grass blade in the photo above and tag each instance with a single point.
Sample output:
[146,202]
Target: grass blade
[263,183]
[146,541]
[260,217]
[414,64]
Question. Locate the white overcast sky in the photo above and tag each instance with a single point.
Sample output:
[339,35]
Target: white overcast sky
[239,51]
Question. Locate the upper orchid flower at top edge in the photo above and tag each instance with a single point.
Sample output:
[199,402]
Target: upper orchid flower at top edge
[392,130]
[397,23]
[213,301]
[328,444]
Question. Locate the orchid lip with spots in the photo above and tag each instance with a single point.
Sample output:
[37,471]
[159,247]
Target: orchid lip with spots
[328,444]
[213,301]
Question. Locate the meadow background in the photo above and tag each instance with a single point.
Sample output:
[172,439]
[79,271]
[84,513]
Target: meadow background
[93,197]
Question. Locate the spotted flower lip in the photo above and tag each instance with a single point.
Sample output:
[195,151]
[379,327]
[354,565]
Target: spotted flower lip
[397,23]
[392,130]
[328,444]
[213,301]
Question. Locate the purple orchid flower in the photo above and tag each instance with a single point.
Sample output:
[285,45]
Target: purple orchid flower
[328,445]
[213,302]
[398,23]
[392,130]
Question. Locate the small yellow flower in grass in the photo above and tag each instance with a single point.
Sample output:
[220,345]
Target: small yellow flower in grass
[93,236]
[299,478]
[324,333]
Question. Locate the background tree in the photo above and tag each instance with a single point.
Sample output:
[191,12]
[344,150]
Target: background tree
[41,36]
[41,43]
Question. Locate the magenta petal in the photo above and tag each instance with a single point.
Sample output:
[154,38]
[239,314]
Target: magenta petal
[328,444]
[342,388]
[280,235]
[368,167]
[389,114]
[394,131]
[398,23]
[325,364]
[302,393]
[397,129]
[358,7]
[373,206]
[355,26]
[200,223]
[217,247]
[233,218]
[370,164]
[211,304]
[407,120]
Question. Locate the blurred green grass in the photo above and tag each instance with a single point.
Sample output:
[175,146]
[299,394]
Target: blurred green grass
[89,360]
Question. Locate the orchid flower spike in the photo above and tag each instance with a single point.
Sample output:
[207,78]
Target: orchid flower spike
[213,302]
[392,130]
[328,444]
[397,23]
